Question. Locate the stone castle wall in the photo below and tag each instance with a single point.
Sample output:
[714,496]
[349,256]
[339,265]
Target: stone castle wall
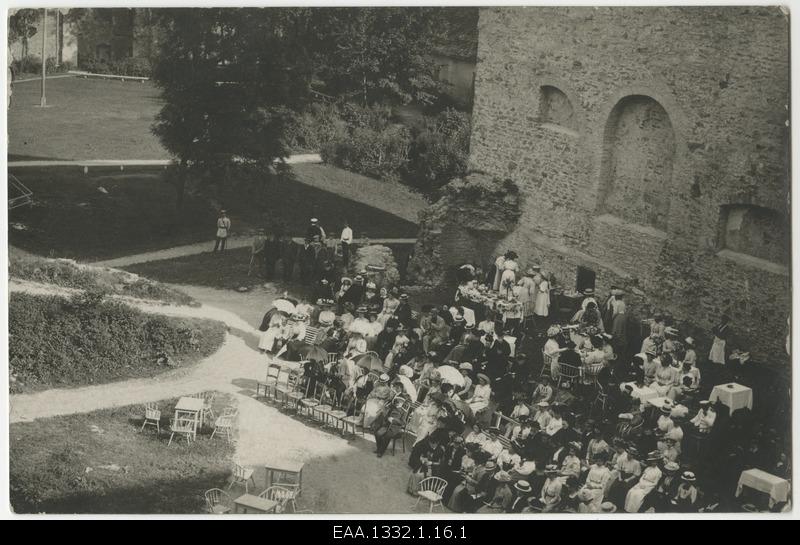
[643,139]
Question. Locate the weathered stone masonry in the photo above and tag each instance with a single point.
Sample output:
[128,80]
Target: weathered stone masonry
[651,146]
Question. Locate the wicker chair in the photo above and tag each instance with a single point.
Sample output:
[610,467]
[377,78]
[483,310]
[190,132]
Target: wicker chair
[431,489]
[216,501]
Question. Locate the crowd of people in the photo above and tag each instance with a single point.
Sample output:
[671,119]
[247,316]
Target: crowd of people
[560,428]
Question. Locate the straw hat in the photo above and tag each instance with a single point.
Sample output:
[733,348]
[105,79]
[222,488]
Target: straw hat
[522,486]
[383,378]
[484,377]
[503,477]
[671,467]
[553,331]
[466,366]
[688,476]
[608,507]
[405,371]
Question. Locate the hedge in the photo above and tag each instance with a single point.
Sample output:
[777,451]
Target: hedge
[54,341]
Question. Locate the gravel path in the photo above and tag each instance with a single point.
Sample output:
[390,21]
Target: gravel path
[340,475]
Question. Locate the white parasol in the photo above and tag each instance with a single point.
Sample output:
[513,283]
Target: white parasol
[284,305]
[451,375]
[411,390]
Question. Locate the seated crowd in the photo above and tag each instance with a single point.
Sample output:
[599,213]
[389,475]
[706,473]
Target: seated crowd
[564,430]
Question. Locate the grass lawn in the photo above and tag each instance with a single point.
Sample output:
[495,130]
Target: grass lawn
[85,119]
[56,464]
[72,218]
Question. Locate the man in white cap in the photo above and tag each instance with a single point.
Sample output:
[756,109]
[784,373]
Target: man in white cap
[223,229]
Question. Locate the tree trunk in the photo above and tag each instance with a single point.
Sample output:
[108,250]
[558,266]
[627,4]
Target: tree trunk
[180,185]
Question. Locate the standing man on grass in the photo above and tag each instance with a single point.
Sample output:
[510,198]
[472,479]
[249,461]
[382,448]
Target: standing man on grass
[223,227]
[347,240]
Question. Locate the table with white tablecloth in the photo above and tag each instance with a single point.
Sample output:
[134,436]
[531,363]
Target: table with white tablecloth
[776,487]
[735,396]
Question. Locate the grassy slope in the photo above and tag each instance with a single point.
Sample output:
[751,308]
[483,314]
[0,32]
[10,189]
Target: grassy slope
[48,463]
[27,266]
[71,218]
[53,344]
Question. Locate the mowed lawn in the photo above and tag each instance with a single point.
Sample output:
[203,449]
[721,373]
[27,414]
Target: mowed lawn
[85,119]
[71,217]
[101,463]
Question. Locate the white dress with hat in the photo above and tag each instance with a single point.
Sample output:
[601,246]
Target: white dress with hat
[480,397]
[541,306]
[509,276]
[499,267]
[636,495]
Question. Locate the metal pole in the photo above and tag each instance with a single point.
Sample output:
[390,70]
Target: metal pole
[43,102]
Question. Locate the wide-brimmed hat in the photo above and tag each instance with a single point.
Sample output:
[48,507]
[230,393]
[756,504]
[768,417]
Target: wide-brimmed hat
[543,404]
[551,469]
[362,309]
[651,351]
[371,286]
[359,278]
[588,291]
[523,486]
[575,445]
[672,467]
[383,378]
[688,476]
[666,409]
[608,507]
[466,366]
[491,464]
[405,371]
[503,477]
[688,341]
[404,297]
[553,331]
[482,376]
[314,220]
[347,280]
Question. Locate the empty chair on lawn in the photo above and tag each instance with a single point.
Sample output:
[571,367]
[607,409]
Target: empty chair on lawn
[208,406]
[308,402]
[295,392]
[225,423]
[326,406]
[183,424]
[242,475]
[284,497]
[431,489]
[152,417]
[271,380]
[356,419]
[217,501]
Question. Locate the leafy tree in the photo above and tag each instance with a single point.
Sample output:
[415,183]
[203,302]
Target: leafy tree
[22,26]
[375,54]
[231,80]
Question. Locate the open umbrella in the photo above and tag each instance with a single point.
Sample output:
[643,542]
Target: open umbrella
[451,375]
[284,305]
[369,361]
[313,353]
[409,387]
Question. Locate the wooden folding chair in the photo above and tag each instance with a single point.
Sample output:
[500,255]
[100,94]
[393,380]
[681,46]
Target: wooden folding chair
[152,417]
[270,382]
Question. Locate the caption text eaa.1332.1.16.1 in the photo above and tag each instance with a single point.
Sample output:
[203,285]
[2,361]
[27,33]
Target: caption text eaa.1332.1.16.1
[399,532]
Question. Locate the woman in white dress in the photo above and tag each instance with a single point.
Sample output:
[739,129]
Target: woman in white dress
[508,279]
[593,491]
[527,292]
[481,395]
[541,305]
[552,349]
[647,482]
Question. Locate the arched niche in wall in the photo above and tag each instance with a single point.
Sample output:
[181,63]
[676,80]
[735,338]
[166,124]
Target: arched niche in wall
[637,162]
[755,231]
[555,108]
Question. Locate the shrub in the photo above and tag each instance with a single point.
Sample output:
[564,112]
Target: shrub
[439,151]
[87,339]
[130,66]
[382,257]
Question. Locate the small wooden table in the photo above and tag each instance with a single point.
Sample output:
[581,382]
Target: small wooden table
[192,405]
[777,488]
[277,473]
[249,504]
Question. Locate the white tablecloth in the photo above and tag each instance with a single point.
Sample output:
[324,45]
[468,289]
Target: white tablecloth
[777,488]
[735,396]
[644,393]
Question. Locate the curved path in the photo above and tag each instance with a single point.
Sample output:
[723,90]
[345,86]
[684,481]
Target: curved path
[340,475]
